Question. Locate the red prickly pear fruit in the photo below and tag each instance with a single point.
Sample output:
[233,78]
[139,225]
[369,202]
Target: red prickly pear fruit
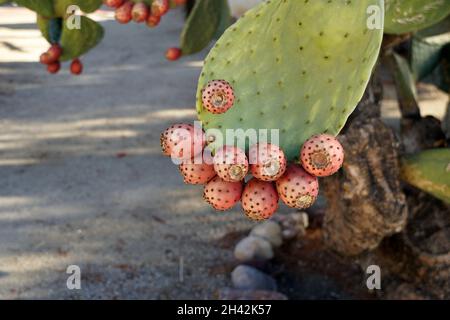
[182,141]
[180,2]
[54,52]
[123,13]
[267,161]
[173,54]
[113,3]
[153,21]
[45,58]
[197,173]
[322,155]
[297,188]
[218,96]
[140,12]
[231,163]
[259,200]
[54,67]
[222,195]
[76,67]
[160,7]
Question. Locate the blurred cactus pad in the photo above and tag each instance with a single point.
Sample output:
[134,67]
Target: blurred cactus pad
[297,66]
[403,16]
[430,172]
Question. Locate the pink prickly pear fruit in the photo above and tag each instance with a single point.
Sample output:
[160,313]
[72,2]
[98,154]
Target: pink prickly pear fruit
[197,173]
[259,199]
[54,67]
[113,3]
[230,163]
[297,188]
[173,54]
[76,67]
[45,58]
[182,141]
[160,7]
[123,13]
[153,21]
[54,52]
[322,155]
[222,195]
[140,12]
[218,96]
[267,161]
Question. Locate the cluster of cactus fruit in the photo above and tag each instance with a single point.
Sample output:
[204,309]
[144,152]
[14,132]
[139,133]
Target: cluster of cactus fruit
[149,13]
[224,173]
[303,79]
[51,58]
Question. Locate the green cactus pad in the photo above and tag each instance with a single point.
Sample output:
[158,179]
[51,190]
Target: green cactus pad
[403,16]
[297,66]
[42,7]
[76,42]
[430,172]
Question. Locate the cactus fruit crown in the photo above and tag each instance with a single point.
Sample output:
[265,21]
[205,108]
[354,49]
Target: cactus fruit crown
[297,66]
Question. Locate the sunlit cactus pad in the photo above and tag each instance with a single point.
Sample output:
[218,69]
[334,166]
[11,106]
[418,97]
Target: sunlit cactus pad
[297,66]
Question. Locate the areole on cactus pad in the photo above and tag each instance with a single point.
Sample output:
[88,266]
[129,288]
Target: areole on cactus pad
[297,66]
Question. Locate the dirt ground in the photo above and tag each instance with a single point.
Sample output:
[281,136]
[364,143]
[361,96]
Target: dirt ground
[82,179]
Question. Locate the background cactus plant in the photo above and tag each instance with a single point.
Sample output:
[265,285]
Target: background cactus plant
[429,171]
[404,16]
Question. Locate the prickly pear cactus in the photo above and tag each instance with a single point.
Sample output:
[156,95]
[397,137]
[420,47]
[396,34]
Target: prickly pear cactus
[430,172]
[297,66]
[403,16]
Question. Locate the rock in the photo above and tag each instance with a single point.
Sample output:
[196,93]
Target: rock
[252,249]
[248,278]
[234,294]
[269,230]
[293,225]
[289,234]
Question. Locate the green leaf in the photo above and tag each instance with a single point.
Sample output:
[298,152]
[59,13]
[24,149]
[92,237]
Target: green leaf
[76,42]
[403,16]
[42,7]
[430,172]
[440,77]
[405,85]
[426,53]
[427,47]
[206,19]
